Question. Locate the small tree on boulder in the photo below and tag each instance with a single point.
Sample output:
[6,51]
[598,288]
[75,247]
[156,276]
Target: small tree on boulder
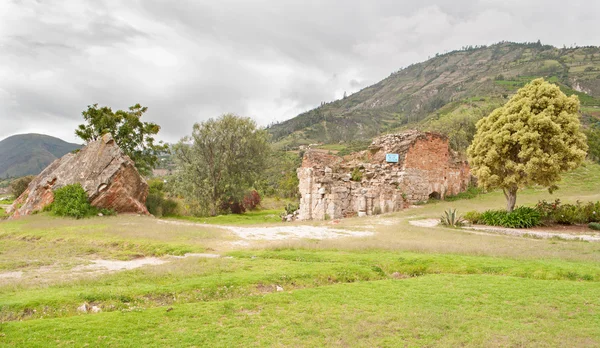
[18,186]
[134,137]
[530,140]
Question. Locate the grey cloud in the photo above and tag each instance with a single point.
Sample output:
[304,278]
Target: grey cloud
[192,60]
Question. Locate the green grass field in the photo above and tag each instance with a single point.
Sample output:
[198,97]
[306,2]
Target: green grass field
[248,218]
[403,286]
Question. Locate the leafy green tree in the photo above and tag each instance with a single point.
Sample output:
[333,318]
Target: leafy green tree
[593,138]
[134,137]
[222,159]
[530,140]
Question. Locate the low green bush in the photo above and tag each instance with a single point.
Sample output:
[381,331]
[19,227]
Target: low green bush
[521,217]
[156,202]
[568,214]
[71,201]
[472,216]
[471,192]
[594,226]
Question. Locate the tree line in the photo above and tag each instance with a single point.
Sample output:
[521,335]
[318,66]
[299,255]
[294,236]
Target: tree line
[530,140]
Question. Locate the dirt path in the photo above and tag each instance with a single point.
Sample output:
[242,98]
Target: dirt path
[282,232]
[544,234]
[93,267]
[521,232]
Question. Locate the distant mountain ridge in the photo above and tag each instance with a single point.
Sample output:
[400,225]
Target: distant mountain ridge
[470,82]
[29,154]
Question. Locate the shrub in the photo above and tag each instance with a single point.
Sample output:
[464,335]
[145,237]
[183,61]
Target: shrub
[592,211]
[377,210]
[570,214]
[290,208]
[471,192]
[594,226]
[547,210]
[251,200]
[452,219]
[156,202]
[72,201]
[18,186]
[472,216]
[521,217]
[356,175]
[232,205]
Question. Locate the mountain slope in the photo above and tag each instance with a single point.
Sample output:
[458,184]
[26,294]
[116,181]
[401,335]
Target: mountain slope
[467,83]
[29,154]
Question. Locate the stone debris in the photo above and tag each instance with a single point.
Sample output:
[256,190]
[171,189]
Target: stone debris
[279,288]
[107,175]
[84,308]
[364,183]
[290,217]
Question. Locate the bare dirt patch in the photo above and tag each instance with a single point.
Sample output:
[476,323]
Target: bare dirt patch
[294,232]
[283,232]
[115,265]
[11,275]
[425,222]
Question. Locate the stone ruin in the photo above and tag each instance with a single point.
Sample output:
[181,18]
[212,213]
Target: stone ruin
[107,175]
[367,182]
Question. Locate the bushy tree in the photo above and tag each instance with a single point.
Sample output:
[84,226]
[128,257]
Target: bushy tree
[530,140]
[18,186]
[593,138]
[222,159]
[134,137]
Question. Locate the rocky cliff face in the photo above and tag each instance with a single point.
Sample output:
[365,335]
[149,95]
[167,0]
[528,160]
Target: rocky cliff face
[108,176]
[364,183]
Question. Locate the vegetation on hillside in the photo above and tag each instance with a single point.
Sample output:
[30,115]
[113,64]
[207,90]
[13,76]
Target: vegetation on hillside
[29,154]
[453,89]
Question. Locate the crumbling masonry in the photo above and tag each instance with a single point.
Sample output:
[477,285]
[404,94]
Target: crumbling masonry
[365,183]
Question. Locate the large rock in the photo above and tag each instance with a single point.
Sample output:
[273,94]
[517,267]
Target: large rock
[108,176]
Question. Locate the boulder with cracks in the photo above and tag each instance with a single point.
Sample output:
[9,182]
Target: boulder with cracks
[107,175]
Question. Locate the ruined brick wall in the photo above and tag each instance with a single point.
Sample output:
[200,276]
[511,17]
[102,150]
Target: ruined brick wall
[426,167]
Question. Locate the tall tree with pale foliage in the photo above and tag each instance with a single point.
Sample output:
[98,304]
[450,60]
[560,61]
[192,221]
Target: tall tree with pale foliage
[222,159]
[530,140]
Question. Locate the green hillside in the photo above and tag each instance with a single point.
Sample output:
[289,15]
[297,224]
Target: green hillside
[29,154]
[455,89]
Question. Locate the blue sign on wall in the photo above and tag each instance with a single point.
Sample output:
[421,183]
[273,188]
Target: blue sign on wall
[391,158]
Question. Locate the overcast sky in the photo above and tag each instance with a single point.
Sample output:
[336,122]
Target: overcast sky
[192,60]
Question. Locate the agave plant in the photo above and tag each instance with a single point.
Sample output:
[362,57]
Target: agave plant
[452,219]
